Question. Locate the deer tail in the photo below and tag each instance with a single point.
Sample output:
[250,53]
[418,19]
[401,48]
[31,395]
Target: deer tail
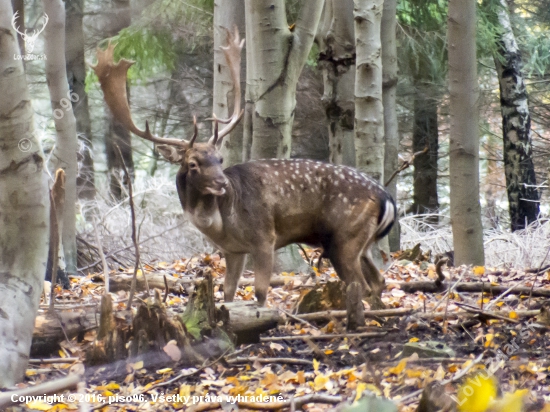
[387,216]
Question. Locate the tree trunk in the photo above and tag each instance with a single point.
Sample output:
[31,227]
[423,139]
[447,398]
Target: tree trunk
[369,110]
[523,198]
[275,57]
[425,133]
[19,8]
[389,90]
[337,63]
[119,18]
[64,155]
[76,74]
[24,207]
[464,134]
[227,15]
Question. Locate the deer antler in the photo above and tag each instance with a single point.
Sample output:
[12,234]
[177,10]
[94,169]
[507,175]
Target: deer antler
[232,54]
[44,23]
[112,78]
[13,20]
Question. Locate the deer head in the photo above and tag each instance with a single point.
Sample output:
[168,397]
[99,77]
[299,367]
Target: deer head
[29,39]
[200,161]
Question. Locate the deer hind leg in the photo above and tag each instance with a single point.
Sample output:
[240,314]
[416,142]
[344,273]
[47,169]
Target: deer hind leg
[235,264]
[345,256]
[373,277]
[263,267]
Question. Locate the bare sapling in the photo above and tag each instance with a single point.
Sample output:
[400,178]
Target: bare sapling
[257,207]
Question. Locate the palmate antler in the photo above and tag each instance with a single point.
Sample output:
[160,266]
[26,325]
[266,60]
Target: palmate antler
[112,78]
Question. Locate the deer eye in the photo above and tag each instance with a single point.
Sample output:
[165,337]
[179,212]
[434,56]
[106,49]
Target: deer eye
[193,165]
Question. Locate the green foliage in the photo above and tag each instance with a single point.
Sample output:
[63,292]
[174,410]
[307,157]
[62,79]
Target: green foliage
[165,29]
[422,45]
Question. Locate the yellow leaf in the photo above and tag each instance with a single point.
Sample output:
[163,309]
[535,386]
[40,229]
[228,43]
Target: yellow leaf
[488,339]
[329,352]
[185,390]
[476,393]
[479,270]
[232,380]
[414,340]
[138,365]
[315,365]
[399,368]
[361,386]
[39,406]
[510,402]
[139,273]
[320,382]
[107,393]
[301,377]
[513,315]
[163,371]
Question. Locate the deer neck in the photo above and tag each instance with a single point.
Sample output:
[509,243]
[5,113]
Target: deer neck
[204,211]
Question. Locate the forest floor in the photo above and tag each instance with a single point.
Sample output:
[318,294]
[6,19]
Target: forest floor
[443,338]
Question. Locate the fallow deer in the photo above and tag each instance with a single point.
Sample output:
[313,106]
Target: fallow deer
[257,207]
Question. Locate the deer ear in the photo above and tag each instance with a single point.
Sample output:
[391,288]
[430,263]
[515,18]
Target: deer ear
[173,154]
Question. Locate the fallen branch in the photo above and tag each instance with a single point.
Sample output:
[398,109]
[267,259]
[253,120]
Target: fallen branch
[324,337]
[288,361]
[273,406]
[69,381]
[472,287]
[53,360]
[373,314]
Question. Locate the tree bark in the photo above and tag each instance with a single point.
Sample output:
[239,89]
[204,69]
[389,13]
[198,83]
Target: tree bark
[337,62]
[369,110]
[76,74]
[19,8]
[227,15]
[425,133]
[275,57]
[389,91]
[523,198]
[64,155]
[119,18]
[24,210]
[464,134]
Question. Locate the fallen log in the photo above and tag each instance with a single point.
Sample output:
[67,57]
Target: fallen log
[247,320]
[472,287]
[120,282]
[50,329]
[372,314]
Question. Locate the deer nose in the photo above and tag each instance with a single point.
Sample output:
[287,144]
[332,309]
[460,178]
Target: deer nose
[222,182]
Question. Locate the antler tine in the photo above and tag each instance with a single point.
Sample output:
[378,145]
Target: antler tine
[112,78]
[195,132]
[232,54]
[215,136]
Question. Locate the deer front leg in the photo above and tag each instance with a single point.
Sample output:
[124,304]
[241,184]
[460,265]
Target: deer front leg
[263,267]
[234,263]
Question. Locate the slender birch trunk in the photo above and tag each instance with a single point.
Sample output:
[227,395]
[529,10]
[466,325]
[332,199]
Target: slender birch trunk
[464,134]
[24,210]
[337,62]
[64,155]
[369,109]
[227,15]
[275,57]
[389,91]
[523,198]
